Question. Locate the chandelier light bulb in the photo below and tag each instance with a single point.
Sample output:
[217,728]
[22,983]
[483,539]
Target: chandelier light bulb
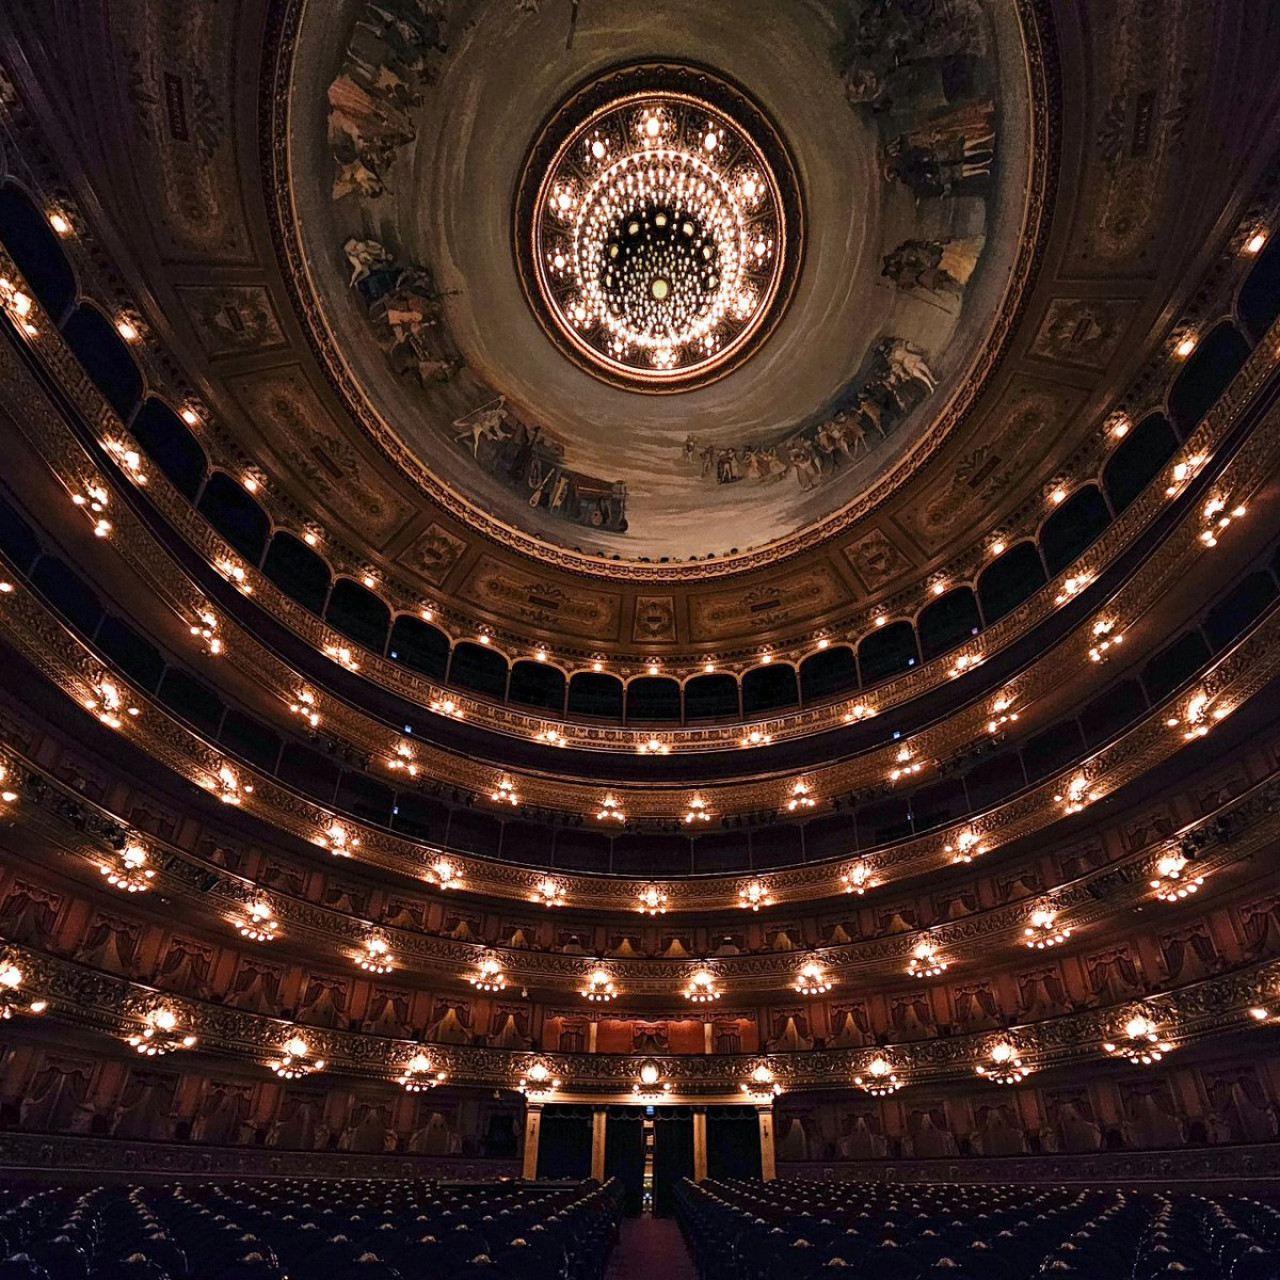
[702,988]
[880,1080]
[653,900]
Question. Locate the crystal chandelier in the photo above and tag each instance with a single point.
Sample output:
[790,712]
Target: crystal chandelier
[755,894]
[538,1081]
[813,980]
[1004,1065]
[697,811]
[109,704]
[227,787]
[549,893]
[800,798]
[338,840]
[11,998]
[965,847]
[762,1086]
[880,1079]
[259,923]
[375,956]
[420,1074]
[447,876]
[295,1060]
[160,1034]
[609,811]
[658,228]
[857,879]
[1169,882]
[1140,1042]
[599,987]
[702,988]
[652,900]
[1044,931]
[129,871]
[925,960]
[651,1083]
[489,977]
[505,792]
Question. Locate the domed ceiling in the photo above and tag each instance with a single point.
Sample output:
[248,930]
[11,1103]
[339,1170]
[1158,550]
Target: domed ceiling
[858,184]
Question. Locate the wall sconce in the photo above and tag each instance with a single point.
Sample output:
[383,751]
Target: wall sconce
[12,999]
[375,956]
[538,1082]
[925,961]
[762,1086]
[1043,931]
[697,811]
[549,893]
[609,811]
[1170,883]
[446,875]
[259,923]
[651,1083]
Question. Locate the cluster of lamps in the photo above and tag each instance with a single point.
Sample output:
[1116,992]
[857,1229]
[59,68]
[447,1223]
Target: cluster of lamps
[1140,1042]
[651,1084]
[1004,1064]
[762,1087]
[375,956]
[1044,930]
[420,1074]
[813,980]
[965,847]
[701,988]
[295,1060]
[926,960]
[258,923]
[489,977]
[109,704]
[227,786]
[599,987]
[129,871]
[1078,793]
[12,998]
[1170,882]
[538,1081]
[755,894]
[880,1079]
[857,880]
[652,900]
[160,1033]
[304,707]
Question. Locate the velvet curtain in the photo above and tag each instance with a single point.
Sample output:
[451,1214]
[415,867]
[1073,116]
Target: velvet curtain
[733,1142]
[624,1154]
[672,1155]
[564,1148]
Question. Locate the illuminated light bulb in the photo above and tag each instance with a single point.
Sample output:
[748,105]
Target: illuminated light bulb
[338,840]
[62,227]
[824,643]
[250,482]
[609,811]
[110,705]
[1255,242]
[652,900]
[484,639]
[130,461]
[538,1080]
[1140,1042]
[236,573]
[597,666]
[403,760]
[489,977]
[304,707]
[697,811]
[11,981]
[190,416]
[754,895]
[998,548]
[925,961]
[206,630]
[880,620]
[420,1074]
[813,980]
[702,988]
[160,1035]
[295,1060]
[1043,931]
[342,655]
[447,876]
[800,798]
[376,956]
[1258,1014]
[1077,793]
[858,712]
[549,893]
[1004,1065]
[552,737]
[1171,883]
[1185,346]
[756,738]
[653,747]
[447,707]
[965,662]
[762,1086]
[1058,497]
[130,872]
[1120,426]
[766,658]
[880,1080]
[127,329]
[259,923]
[965,847]
[599,987]
[505,792]
[857,880]
[228,787]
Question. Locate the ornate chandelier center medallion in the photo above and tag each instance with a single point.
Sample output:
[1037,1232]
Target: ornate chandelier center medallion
[658,228]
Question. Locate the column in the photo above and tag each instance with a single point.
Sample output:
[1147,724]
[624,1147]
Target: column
[599,1121]
[768,1165]
[532,1132]
[699,1143]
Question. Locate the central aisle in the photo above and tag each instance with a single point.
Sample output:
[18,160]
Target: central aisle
[651,1247]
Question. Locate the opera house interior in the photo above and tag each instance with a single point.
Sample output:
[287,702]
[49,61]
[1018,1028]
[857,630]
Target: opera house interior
[637,638]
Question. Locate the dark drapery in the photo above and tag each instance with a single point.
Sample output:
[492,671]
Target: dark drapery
[624,1153]
[564,1148]
[733,1142]
[672,1155]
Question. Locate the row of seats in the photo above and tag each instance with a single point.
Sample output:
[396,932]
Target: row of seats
[797,1230]
[301,1229]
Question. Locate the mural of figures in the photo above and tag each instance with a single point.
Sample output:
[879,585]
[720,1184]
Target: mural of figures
[938,125]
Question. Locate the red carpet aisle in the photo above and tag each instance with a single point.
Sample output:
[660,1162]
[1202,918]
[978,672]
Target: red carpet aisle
[651,1248]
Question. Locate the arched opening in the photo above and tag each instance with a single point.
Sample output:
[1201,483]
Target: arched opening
[478,668]
[1138,459]
[769,689]
[828,673]
[948,621]
[419,646]
[1206,375]
[235,515]
[167,442]
[711,697]
[106,359]
[592,693]
[1074,528]
[653,699]
[34,248]
[1259,300]
[537,684]
[887,651]
[358,614]
[1009,580]
[301,574]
